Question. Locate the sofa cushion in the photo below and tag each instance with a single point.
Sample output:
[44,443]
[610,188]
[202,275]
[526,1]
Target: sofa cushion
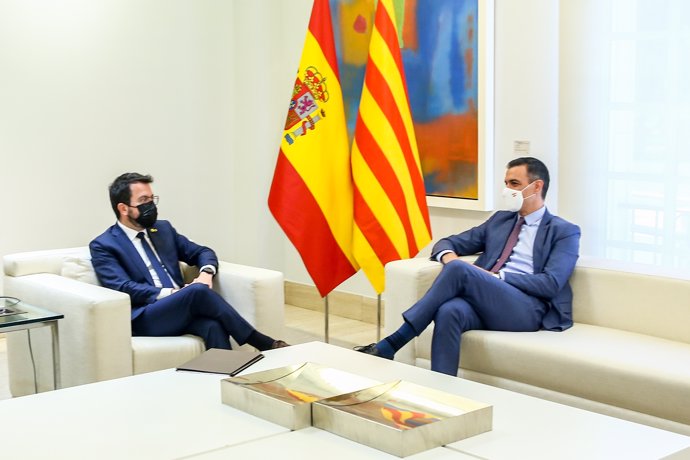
[155,353]
[50,261]
[592,362]
[80,269]
[651,305]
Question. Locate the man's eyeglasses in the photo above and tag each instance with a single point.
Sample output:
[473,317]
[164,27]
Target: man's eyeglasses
[145,200]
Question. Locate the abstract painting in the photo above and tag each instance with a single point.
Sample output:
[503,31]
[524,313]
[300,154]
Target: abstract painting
[447,55]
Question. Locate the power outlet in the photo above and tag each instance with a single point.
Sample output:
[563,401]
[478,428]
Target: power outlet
[521,148]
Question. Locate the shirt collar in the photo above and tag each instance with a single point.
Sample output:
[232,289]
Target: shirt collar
[535,217]
[130,232]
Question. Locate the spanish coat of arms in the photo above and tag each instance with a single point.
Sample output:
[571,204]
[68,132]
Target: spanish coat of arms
[304,111]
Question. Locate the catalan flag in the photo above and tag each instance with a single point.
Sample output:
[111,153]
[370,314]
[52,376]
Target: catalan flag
[391,215]
[311,193]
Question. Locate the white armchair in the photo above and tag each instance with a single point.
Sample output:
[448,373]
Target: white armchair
[95,335]
[406,282]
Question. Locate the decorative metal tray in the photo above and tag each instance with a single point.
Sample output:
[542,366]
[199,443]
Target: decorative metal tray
[402,418]
[285,395]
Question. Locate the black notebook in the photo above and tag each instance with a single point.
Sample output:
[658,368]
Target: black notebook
[219,361]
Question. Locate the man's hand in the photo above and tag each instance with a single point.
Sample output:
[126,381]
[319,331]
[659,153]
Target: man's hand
[204,278]
[447,257]
[451,256]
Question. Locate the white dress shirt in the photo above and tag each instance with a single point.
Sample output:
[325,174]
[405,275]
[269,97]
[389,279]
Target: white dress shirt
[132,235]
[520,260]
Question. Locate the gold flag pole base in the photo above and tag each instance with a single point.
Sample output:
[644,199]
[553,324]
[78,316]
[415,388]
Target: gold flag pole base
[325,319]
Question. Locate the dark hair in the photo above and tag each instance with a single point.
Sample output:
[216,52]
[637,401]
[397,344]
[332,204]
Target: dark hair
[535,170]
[120,192]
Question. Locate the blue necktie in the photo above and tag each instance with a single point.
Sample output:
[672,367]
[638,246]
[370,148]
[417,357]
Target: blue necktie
[162,275]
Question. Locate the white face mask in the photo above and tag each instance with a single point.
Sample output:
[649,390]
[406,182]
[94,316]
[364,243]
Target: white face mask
[512,199]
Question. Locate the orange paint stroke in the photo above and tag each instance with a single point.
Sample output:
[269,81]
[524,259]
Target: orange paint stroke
[409,33]
[446,144]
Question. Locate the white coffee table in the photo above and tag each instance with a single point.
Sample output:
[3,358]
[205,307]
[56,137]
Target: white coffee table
[171,414]
[313,443]
[160,415]
[524,427]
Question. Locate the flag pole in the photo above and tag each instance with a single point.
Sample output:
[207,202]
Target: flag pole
[325,318]
[378,317]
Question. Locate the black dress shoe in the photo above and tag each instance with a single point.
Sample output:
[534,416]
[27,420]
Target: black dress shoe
[279,344]
[370,350]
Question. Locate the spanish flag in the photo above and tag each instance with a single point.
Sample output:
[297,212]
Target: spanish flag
[390,211]
[311,194]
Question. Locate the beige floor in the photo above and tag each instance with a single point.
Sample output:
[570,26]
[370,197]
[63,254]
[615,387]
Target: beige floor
[304,325]
[301,325]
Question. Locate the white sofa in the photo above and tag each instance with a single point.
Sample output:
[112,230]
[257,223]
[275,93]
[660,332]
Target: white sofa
[95,336]
[628,354]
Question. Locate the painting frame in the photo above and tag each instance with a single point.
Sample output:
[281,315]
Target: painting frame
[485,113]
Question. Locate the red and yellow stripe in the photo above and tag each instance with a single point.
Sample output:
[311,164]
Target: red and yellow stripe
[390,211]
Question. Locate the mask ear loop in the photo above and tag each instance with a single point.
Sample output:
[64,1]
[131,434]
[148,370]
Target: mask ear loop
[533,182]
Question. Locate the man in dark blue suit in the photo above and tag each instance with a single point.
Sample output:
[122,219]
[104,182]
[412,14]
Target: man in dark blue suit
[141,256]
[518,283]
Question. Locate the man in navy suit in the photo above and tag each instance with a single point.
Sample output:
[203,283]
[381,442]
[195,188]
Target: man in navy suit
[516,284]
[140,256]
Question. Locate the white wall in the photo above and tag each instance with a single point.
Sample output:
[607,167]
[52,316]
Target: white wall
[93,89]
[194,93]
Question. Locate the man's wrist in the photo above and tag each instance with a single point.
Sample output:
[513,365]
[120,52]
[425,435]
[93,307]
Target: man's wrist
[442,254]
[210,269]
[165,292]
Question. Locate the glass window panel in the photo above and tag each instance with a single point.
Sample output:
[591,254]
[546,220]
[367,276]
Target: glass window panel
[624,18]
[645,218]
[637,130]
[652,137]
[653,15]
[644,257]
[681,11]
[623,69]
[621,140]
[651,77]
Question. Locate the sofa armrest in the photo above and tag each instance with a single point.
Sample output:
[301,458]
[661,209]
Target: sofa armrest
[95,333]
[406,282]
[256,293]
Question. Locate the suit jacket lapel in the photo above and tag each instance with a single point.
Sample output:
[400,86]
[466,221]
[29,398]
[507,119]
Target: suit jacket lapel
[502,233]
[133,256]
[540,242]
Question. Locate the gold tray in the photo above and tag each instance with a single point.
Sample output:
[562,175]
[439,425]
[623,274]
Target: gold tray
[285,395]
[402,418]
